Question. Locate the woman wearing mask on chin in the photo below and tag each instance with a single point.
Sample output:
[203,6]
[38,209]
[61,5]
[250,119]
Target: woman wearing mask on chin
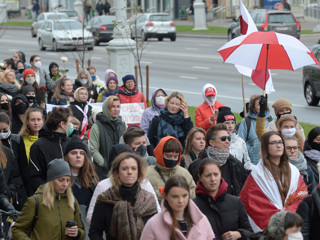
[206,115]
[9,84]
[19,106]
[84,79]
[157,100]
[4,104]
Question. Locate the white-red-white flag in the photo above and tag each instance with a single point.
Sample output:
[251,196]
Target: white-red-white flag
[247,25]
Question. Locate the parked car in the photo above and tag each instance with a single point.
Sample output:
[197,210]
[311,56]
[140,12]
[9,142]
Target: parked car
[42,17]
[71,14]
[101,28]
[280,21]
[235,23]
[64,34]
[153,25]
[311,79]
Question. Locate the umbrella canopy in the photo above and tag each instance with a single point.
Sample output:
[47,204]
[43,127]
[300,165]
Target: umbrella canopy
[267,50]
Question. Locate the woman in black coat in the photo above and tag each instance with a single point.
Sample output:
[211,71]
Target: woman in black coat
[224,211]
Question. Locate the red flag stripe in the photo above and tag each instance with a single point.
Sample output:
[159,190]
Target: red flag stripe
[243,26]
[225,53]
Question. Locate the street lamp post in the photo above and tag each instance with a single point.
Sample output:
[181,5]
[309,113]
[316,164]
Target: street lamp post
[200,22]
[3,12]
[120,49]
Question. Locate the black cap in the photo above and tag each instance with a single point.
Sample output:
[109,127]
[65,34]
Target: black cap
[225,114]
[75,143]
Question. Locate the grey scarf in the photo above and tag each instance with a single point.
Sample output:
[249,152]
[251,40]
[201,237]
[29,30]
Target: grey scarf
[301,163]
[220,156]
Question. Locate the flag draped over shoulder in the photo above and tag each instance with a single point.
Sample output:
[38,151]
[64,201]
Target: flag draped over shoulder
[261,197]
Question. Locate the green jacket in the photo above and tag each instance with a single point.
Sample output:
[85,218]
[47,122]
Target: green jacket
[156,181]
[51,223]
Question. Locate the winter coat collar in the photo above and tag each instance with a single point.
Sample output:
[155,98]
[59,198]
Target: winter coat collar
[47,133]
[222,189]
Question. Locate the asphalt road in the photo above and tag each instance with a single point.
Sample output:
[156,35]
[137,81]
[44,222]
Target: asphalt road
[185,65]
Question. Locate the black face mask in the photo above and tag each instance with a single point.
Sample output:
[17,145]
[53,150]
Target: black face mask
[170,163]
[141,150]
[76,132]
[315,146]
[31,99]
[279,115]
[4,106]
[21,108]
[20,70]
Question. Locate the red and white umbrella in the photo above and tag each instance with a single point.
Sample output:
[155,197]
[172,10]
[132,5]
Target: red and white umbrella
[267,50]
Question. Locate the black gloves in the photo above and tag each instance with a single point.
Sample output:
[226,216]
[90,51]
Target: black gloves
[263,105]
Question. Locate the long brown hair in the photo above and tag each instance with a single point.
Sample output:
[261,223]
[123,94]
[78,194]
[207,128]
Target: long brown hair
[282,171]
[190,137]
[57,92]
[25,130]
[181,182]
[87,175]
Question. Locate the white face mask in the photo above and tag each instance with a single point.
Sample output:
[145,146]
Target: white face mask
[5,135]
[83,81]
[295,236]
[30,81]
[160,100]
[37,64]
[288,132]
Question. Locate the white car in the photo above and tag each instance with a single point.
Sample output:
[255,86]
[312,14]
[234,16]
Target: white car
[64,34]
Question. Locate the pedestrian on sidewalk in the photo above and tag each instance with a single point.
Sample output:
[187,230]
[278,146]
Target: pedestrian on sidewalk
[36,9]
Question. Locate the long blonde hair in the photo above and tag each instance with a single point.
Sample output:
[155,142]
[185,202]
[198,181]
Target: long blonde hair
[3,78]
[57,91]
[49,195]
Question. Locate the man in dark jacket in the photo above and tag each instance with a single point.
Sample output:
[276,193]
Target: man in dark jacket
[107,7]
[99,7]
[50,145]
[218,142]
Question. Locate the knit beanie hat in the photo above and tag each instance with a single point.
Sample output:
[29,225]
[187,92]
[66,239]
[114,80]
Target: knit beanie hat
[27,89]
[28,71]
[287,117]
[128,77]
[275,229]
[106,74]
[280,104]
[75,143]
[58,168]
[225,114]
[112,78]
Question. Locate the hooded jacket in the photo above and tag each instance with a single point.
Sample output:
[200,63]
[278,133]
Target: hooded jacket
[105,133]
[49,146]
[51,223]
[155,178]
[16,123]
[206,109]
[159,226]
[150,112]
[225,213]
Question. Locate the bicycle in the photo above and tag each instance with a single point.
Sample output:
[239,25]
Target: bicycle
[14,215]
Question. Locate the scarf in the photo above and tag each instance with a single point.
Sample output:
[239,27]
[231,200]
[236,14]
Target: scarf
[107,92]
[128,92]
[313,155]
[170,124]
[220,156]
[301,163]
[9,88]
[126,220]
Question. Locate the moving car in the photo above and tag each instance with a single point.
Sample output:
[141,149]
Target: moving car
[153,25]
[280,21]
[64,34]
[101,28]
[311,79]
[43,17]
[71,14]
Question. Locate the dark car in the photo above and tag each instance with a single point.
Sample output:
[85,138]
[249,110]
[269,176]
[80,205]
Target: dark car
[235,23]
[311,79]
[280,21]
[101,28]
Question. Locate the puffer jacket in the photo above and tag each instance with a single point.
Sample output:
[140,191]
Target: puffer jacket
[205,111]
[49,146]
[155,178]
[252,141]
[225,213]
[51,223]
[128,97]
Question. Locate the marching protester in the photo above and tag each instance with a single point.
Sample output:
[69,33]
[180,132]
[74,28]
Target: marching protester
[5,106]
[95,79]
[19,56]
[122,211]
[273,184]
[56,76]
[206,114]
[63,94]
[29,80]
[19,71]
[174,120]
[106,132]
[84,79]
[214,201]
[8,64]
[111,89]
[19,106]
[57,212]
[238,147]
[180,218]
[9,84]
[195,143]
[311,151]
[158,102]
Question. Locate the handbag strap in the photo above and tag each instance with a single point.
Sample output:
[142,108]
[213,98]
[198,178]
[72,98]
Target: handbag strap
[160,173]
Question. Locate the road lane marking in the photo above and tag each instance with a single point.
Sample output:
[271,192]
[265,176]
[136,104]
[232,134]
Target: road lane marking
[193,49]
[199,67]
[12,50]
[186,55]
[188,77]
[145,62]
[96,58]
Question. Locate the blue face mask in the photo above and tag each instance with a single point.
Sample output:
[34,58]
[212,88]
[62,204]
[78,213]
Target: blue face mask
[93,77]
[70,130]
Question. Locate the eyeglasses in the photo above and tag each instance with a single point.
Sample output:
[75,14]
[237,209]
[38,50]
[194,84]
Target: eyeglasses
[295,148]
[224,138]
[276,143]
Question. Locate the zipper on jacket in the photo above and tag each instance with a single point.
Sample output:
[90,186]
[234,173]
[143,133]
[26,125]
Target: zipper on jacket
[59,197]
[61,148]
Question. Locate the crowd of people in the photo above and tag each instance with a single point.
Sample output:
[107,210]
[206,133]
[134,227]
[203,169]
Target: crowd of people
[77,172]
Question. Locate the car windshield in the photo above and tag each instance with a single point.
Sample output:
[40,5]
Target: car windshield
[67,26]
[54,16]
[160,18]
[281,18]
[71,14]
[107,20]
